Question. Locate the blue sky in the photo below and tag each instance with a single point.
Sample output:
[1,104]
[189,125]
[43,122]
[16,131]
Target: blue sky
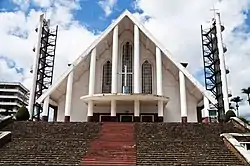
[93,17]
[174,24]
[90,15]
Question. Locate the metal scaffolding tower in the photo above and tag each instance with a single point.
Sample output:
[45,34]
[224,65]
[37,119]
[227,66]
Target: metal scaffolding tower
[44,64]
[214,79]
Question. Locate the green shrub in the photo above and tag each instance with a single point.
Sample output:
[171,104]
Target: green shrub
[229,114]
[243,119]
[22,114]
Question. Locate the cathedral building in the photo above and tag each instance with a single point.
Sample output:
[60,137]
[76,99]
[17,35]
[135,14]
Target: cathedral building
[126,75]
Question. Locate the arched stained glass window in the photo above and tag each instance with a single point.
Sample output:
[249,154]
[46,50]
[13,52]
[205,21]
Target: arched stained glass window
[146,78]
[127,59]
[107,77]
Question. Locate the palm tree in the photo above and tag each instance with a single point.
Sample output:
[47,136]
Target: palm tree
[237,100]
[247,91]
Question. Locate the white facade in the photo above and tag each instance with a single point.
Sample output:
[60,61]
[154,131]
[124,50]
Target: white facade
[172,111]
[159,95]
[12,96]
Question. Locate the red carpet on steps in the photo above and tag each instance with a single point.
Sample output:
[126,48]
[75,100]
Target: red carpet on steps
[115,146]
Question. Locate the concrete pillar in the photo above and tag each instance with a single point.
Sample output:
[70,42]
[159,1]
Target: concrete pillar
[113,111]
[159,83]
[68,100]
[92,72]
[222,63]
[160,111]
[183,98]
[90,111]
[35,67]
[114,71]
[136,60]
[206,109]
[136,72]
[114,60]
[137,111]
[45,112]
[91,83]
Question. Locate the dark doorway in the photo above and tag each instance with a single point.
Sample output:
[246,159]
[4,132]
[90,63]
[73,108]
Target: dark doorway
[147,118]
[105,118]
[126,118]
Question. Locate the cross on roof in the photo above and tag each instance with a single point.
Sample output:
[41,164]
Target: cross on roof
[214,10]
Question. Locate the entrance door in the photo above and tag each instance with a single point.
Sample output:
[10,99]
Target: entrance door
[147,118]
[126,118]
[105,118]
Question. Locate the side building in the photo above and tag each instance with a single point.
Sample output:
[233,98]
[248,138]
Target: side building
[13,95]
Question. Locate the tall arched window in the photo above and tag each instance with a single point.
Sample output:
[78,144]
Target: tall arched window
[127,59]
[146,78]
[107,77]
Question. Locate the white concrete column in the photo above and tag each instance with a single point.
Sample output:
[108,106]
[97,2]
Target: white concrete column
[92,72]
[114,71]
[206,109]
[136,59]
[45,109]
[183,98]
[136,111]
[34,69]
[68,100]
[222,63]
[159,83]
[113,107]
[91,84]
[114,60]
[159,72]
[160,108]
[113,111]
[90,109]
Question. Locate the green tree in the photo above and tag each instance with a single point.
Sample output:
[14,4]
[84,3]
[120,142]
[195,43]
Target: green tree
[22,114]
[237,100]
[247,91]
[229,114]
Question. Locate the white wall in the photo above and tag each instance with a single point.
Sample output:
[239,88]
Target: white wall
[78,108]
[170,86]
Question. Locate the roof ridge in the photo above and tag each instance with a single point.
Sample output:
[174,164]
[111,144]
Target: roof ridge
[149,35]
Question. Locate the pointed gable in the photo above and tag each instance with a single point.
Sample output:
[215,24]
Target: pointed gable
[58,88]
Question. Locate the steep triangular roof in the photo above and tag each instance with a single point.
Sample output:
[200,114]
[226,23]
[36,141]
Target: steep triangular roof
[83,56]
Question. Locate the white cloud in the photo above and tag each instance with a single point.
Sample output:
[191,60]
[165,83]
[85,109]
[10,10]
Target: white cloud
[174,23]
[107,6]
[177,26]
[23,4]
[18,37]
[42,3]
[8,74]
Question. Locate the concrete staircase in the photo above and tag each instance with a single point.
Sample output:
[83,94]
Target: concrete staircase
[115,146]
[184,144]
[42,143]
[118,144]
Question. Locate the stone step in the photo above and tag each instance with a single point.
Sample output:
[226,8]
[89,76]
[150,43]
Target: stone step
[35,143]
[183,144]
[115,145]
[114,162]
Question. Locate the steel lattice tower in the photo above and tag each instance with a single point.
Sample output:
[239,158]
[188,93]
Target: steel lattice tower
[44,64]
[212,66]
